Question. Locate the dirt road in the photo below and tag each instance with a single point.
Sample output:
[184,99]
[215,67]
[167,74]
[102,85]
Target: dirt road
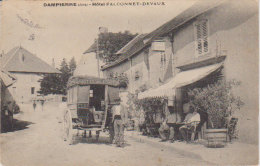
[38,141]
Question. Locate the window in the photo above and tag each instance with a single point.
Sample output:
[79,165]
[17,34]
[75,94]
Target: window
[91,93]
[201,37]
[32,90]
[163,60]
[163,65]
[22,57]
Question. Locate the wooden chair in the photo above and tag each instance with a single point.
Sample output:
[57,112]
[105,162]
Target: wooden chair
[192,131]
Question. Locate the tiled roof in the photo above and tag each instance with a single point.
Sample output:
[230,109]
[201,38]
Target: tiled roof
[130,44]
[19,59]
[187,15]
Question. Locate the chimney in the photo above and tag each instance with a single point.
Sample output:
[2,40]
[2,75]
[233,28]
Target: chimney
[53,63]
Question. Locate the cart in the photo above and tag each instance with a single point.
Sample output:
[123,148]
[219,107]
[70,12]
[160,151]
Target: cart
[89,103]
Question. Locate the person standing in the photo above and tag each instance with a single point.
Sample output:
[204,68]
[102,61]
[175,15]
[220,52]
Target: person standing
[34,105]
[42,103]
[120,117]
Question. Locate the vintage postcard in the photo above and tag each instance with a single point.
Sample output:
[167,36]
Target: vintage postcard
[129,82]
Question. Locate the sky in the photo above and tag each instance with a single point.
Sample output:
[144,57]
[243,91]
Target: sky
[66,32]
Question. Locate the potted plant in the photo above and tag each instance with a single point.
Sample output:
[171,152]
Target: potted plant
[218,101]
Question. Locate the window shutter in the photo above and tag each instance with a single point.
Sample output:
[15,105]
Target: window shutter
[205,36]
[201,37]
[198,38]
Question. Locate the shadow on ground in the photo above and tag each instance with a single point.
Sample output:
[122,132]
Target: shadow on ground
[17,125]
[92,140]
[21,125]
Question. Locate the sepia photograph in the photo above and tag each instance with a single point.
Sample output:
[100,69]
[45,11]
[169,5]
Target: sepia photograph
[129,82]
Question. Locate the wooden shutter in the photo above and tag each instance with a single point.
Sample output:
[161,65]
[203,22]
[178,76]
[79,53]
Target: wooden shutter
[201,37]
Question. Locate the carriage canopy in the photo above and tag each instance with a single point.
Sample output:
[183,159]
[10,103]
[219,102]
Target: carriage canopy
[89,80]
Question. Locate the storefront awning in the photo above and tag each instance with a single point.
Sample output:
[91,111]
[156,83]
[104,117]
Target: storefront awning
[181,79]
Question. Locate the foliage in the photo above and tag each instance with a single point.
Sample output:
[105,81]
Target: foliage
[50,84]
[57,83]
[217,100]
[109,43]
[148,107]
[131,104]
[122,78]
[72,65]
[65,75]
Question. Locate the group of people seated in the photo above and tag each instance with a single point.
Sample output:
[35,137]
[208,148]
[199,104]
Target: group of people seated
[172,123]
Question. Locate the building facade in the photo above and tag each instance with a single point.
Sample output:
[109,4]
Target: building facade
[28,69]
[89,64]
[202,36]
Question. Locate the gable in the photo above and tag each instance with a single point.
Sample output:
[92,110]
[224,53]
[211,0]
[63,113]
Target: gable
[20,60]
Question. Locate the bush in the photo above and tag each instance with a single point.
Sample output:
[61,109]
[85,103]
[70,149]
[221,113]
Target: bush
[217,100]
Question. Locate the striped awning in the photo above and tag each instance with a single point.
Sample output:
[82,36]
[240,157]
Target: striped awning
[181,79]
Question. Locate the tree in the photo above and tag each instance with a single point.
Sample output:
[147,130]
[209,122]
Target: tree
[72,65]
[64,76]
[109,43]
[50,84]
[57,83]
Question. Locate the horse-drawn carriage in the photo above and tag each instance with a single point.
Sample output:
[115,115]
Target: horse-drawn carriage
[89,103]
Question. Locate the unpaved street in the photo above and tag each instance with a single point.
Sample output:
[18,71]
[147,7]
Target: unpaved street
[38,142]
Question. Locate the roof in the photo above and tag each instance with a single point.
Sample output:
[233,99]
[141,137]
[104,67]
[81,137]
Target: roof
[187,15]
[130,44]
[7,78]
[92,48]
[127,52]
[19,59]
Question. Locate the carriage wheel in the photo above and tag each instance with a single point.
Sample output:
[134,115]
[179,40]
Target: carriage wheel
[67,127]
